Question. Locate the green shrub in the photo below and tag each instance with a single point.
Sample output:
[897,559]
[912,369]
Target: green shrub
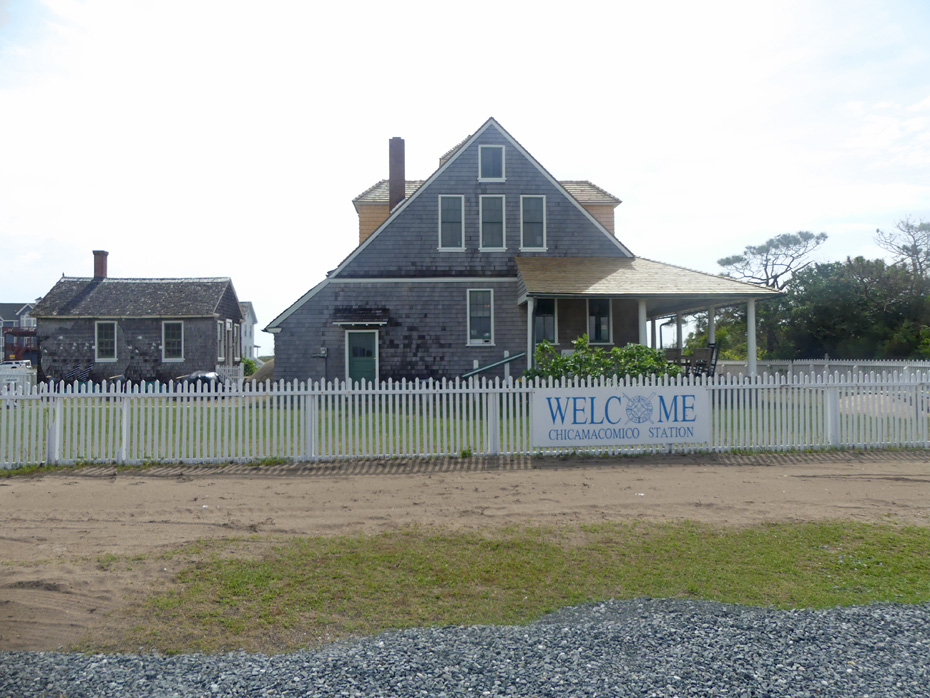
[249,366]
[586,361]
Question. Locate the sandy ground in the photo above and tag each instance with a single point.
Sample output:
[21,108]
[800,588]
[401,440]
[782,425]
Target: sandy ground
[58,530]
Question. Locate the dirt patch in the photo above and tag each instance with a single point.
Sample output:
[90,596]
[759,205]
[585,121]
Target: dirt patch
[61,532]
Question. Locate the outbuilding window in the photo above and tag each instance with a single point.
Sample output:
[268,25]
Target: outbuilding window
[105,341]
[172,341]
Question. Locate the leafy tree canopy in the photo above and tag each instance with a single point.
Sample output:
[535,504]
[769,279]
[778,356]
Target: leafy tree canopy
[773,262]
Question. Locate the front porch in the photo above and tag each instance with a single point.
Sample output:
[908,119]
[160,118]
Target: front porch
[615,300]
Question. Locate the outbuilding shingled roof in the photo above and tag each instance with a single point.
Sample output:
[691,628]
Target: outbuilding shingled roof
[110,297]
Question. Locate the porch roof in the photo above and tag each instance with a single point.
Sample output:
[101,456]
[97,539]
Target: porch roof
[667,289]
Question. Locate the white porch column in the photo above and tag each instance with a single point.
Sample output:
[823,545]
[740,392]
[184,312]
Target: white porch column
[643,339]
[678,342]
[751,336]
[711,325]
[530,306]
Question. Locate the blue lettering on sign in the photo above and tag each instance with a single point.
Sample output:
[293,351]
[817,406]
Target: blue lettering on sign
[585,410]
[578,411]
[607,409]
[678,411]
[559,409]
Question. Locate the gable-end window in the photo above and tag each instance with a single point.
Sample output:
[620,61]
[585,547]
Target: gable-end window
[105,341]
[220,340]
[491,163]
[544,321]
[599,320]
[533,222]
[480,316]
[492,222]
[172,341]
[451,222]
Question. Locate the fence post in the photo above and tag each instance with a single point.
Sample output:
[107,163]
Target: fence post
[53,443]
[493,421]
[311,425]
[123,456]
[831,415]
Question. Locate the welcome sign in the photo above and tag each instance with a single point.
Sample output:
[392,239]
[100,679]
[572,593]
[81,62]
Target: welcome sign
[620,416]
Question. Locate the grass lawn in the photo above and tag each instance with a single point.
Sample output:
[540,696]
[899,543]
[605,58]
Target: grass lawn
[308,591]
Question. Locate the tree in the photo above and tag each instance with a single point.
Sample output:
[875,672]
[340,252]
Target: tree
[773,262]
[910,245]
[860,308]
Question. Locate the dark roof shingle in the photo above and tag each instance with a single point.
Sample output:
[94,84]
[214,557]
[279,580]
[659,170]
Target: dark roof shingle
[86,297]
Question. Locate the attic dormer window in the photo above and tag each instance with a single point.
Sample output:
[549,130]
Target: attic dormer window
[491,163]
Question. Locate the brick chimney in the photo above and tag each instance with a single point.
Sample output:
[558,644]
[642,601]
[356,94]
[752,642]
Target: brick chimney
[100,264]
[397,176]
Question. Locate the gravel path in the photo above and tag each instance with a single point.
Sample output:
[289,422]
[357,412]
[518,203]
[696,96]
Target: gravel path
[645,647]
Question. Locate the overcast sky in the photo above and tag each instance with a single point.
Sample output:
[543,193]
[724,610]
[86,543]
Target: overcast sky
[229,138]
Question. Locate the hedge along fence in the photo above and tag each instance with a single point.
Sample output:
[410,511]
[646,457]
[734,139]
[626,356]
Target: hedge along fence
[309,421]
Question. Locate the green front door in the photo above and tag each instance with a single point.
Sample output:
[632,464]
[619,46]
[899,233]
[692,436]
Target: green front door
[362,350]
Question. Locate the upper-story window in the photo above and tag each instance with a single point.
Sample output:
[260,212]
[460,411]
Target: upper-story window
[533,222]
[492,222]
[105,341]
[451,222]
[491,163]
[172,341]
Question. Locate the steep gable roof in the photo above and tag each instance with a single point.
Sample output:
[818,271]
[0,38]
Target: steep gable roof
[448,161]
[11,311]
[111,297]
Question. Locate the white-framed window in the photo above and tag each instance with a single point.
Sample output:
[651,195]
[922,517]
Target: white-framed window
[105,340]
[451,222]
[172,340]
[599,325]
[533,222]
[480,317]
[545,324]
[491,163]
[237,341]
[220,340]
[492,222]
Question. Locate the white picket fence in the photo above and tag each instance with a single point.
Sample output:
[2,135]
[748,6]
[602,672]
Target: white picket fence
[296,421]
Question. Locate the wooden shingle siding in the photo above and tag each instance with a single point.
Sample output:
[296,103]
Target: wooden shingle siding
[67,349]
[425,335]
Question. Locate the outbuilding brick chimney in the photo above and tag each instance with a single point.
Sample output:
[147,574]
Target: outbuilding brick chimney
[396,173]
[100,264]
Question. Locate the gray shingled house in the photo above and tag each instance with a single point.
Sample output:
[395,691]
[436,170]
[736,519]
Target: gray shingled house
[141,329]
[477,264]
